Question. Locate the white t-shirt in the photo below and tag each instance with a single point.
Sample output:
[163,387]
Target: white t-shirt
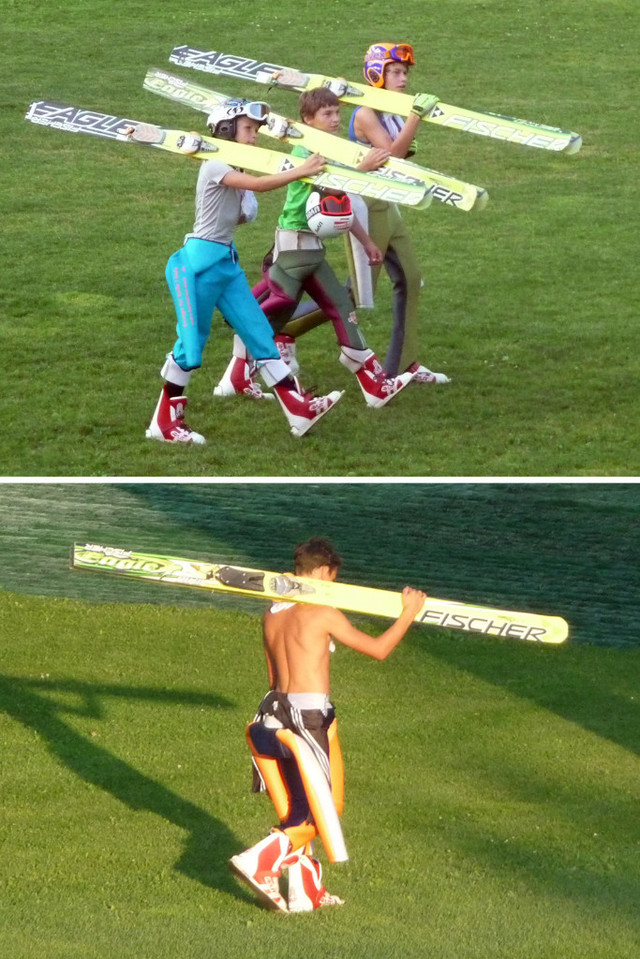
[217,205]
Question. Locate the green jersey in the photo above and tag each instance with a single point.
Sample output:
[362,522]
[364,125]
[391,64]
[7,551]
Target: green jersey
[294,213]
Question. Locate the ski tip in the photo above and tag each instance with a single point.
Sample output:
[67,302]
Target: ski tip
[557,631]
[574,144]
[481,200]
[425,202]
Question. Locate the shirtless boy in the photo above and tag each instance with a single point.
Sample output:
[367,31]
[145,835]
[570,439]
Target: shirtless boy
[298,640]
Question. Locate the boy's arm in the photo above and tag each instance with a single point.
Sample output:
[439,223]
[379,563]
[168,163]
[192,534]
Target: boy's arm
[377,647]
[239,180]
[374,254]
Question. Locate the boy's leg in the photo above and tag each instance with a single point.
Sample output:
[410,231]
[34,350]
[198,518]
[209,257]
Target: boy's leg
[194,303]
[390,233]
[404,334]
[195,287]
[245,316]
[377,388]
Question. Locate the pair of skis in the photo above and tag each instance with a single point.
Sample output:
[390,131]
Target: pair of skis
[399,181]
[446,189]
[245,581]
[493,125]
[73,119]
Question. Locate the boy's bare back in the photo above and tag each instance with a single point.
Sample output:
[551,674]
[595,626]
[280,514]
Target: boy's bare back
[297,642]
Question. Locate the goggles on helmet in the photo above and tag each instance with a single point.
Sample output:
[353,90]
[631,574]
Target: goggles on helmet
[222,119]
[335,205]
[254,109]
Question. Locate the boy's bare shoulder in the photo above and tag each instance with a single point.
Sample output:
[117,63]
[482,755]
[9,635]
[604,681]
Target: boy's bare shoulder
[304,612]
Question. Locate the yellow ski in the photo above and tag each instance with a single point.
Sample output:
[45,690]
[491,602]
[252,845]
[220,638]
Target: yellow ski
[333,177]
[493,125]
[245,581]
[446,189]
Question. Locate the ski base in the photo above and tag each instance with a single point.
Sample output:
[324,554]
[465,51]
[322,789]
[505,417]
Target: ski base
[266,585]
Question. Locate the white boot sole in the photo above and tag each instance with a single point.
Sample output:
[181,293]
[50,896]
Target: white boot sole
[305,427]
[237,867]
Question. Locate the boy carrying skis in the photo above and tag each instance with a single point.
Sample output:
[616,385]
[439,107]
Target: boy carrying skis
[205,274]
[299,265]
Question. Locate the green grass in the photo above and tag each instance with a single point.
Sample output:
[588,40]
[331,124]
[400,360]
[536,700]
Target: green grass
[529,306]
[492,786]
[485,815]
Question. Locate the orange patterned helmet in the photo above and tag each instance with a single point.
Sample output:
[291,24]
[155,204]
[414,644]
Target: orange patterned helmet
[379,55]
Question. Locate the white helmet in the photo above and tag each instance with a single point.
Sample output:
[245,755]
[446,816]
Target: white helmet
[330,215]
[222,119]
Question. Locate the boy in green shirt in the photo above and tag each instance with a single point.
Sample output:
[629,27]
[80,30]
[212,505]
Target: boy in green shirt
[299,266]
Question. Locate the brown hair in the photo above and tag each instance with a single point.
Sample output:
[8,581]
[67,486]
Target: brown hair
[313,100]
[316,552]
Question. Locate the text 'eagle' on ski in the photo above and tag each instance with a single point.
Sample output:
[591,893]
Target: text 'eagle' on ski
[73,119]
[492,125]
[245,581]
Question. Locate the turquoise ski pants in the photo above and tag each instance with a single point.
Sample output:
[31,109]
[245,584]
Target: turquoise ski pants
[203,275]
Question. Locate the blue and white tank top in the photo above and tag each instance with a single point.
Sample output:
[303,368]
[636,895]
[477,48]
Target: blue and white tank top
[391,122]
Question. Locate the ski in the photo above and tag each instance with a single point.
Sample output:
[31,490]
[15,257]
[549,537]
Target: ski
[493,125]
[333,177]
[446,189]
[245,581]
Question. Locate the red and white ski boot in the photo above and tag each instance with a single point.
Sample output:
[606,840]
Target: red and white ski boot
[167,423]
[377,387]
[261,867]
[239,380]
[306,890]
[302,409]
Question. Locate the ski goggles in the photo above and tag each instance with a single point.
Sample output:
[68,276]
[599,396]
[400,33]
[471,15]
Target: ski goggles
[402,52]
[254,109]
[335,205]
[257,110]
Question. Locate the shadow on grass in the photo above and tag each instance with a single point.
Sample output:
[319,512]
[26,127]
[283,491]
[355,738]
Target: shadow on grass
[596,689]
[209,842]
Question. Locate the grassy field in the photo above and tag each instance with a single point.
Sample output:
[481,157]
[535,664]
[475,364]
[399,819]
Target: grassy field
[492,786]
[529,306]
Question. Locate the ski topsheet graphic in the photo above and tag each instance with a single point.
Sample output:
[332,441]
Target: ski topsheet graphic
[493,125]
[333,177]
[446,189]
[240,580]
